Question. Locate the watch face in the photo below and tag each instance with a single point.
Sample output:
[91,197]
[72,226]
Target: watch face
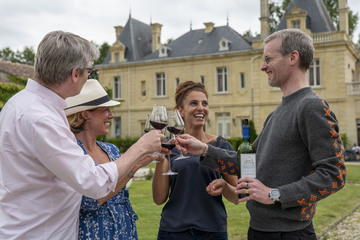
[275,194]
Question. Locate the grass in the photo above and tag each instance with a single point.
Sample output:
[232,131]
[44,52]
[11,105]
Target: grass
[328,210]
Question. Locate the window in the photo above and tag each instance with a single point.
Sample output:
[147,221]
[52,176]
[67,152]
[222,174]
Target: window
[296,24]
[223,125]
[117,57]
[242,80]
[143,88]
[177,82]
[222,79]
[224,44]
[313,74]
[202,79]
[116,122]
[160,85]
[117,88]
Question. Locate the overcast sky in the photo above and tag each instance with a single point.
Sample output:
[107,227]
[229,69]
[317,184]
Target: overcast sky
[26,22]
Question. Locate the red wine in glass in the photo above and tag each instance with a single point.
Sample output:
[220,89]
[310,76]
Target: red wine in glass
[158,125]
[168,145]
[175,130]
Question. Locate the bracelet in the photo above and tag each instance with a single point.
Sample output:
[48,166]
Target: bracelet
[130,175]
[204,150]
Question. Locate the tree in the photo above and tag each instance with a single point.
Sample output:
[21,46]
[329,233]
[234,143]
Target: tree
[27,56]
[277,12]
[7,55]
[249,34]
[104,50]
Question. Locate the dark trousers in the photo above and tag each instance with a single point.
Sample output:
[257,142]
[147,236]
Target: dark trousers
[307,233]
[192,234]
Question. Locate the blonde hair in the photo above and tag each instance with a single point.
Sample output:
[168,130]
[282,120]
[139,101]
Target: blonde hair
[76,122]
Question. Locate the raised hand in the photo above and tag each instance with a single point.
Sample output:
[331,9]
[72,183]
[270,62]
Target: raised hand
[151,141]
[189,144]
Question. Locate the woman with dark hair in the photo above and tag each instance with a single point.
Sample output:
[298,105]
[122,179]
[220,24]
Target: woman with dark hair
[194,208]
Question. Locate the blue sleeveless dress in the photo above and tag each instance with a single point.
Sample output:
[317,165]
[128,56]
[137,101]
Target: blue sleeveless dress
[115,219]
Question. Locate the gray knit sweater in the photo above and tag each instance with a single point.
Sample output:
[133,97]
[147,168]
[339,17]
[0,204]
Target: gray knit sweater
[300,152]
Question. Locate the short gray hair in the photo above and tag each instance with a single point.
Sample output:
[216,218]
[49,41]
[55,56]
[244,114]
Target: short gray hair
[295,39]
[59,53]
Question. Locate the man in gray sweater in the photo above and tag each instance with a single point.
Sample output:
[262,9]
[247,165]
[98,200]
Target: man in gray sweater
[299,152]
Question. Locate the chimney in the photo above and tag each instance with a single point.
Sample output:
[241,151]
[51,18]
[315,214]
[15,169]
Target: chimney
[264,18]
[118,30]
[209,26]
[156,36]
[343,16]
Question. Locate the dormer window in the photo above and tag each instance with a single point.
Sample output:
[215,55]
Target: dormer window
[163,51]
[224,44]
[295,24]
[117,51]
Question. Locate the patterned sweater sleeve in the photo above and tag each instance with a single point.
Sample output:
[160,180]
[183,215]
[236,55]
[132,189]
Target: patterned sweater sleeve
[319,130]
[221,160]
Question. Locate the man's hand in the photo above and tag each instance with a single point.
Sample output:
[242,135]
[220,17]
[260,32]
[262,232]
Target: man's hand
[257,190]
[189,144]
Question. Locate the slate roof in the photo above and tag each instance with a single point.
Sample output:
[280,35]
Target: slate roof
[16,69]
[197,42]
[136,36]
[318,18]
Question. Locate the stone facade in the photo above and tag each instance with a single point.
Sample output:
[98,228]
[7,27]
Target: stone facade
[229,66]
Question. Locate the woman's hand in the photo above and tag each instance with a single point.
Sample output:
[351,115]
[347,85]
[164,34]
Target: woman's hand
[216,187]
[151,141]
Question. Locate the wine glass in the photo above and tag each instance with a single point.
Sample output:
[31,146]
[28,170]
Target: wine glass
[158,118]
[169,145]
[176,126]
[148,127]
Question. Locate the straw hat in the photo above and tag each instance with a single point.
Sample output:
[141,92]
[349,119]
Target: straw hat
[92,95]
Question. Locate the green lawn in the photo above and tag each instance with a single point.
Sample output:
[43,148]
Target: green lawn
[327,212]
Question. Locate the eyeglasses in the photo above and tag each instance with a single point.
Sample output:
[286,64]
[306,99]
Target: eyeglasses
[267,59]
[91,70]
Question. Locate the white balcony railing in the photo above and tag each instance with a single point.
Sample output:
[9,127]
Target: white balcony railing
[353,88]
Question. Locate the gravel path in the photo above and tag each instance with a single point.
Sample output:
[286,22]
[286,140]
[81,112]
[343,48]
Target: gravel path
[347,229]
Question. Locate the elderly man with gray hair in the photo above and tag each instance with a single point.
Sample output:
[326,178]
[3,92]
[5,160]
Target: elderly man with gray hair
[43,171]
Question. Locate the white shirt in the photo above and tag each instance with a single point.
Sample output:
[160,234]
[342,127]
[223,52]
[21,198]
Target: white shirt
[355,148]
[43,171]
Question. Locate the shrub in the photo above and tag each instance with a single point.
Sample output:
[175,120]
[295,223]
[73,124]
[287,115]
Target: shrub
[150,174]
[7,90]
[122,143]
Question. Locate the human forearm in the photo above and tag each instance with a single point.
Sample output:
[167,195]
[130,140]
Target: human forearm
[229,194]
[135,155]
[119,186]
[229,188]
[228,159]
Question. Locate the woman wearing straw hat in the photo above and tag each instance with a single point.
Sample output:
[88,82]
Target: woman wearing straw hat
[89,116]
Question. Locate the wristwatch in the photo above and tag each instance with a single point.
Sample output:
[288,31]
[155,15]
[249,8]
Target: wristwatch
[275,195]
[131,175]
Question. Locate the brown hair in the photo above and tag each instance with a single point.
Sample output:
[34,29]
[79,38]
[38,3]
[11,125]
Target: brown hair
[184,89]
